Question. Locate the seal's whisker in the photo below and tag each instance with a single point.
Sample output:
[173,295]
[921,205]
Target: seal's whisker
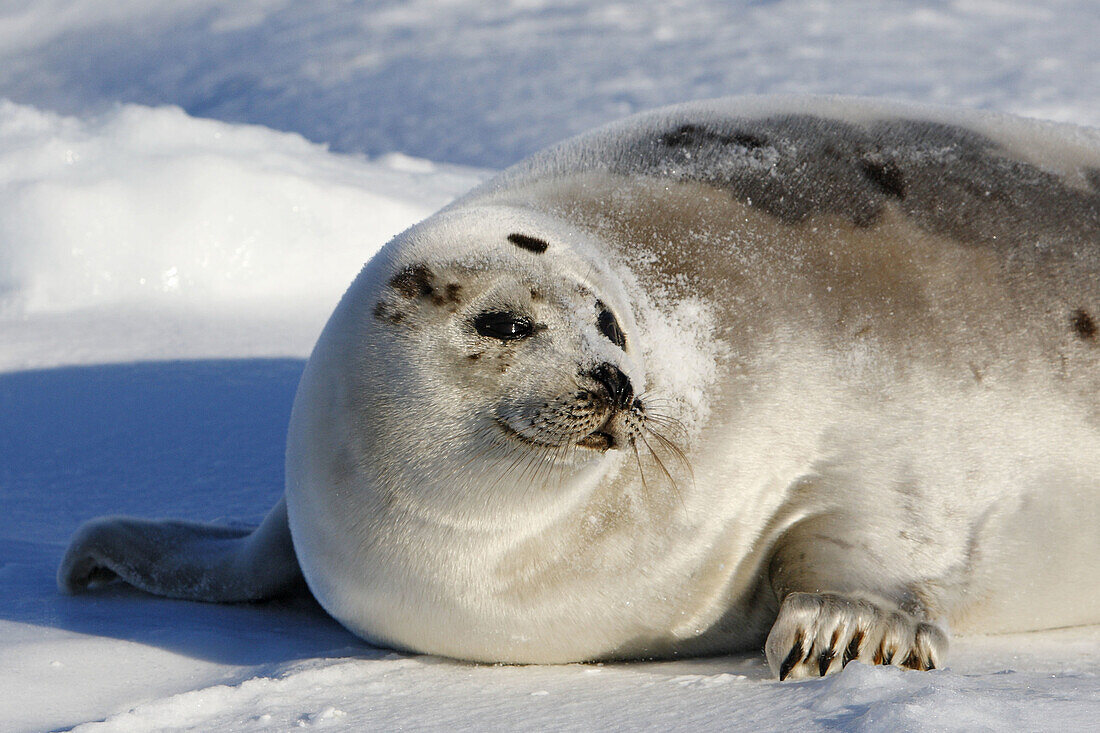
[565,454]
[551,459]
[641,472]
[676,451]
[530,470]
[544,470]
[669,422]
[520,456]
[567,458]
[664,470]
[528,475]
[495,441]
[676,440]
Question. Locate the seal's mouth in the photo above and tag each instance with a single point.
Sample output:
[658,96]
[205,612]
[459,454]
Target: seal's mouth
[598,439]
[512,432]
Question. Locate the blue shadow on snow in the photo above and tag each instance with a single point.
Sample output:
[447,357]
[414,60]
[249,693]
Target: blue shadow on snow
[199,440]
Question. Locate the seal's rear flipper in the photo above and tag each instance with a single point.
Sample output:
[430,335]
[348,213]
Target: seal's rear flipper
[199,562]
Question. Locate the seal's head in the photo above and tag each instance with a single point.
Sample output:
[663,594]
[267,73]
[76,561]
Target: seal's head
[518,347]
[495,338]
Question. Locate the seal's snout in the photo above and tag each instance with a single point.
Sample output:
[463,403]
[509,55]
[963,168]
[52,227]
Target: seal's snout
[616,385]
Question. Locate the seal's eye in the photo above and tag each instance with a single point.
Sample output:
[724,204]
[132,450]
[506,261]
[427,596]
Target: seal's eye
[503,326]
[609,326]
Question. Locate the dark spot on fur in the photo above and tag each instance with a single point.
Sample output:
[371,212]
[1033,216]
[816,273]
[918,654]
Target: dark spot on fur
[682,136]
[746,140]
[449,295]
[535,294]
[531,244]
[1083,325]
[1092,175]
[886,175]
[834,152]
[866,217]
[688,136]
[473,357]
[384,312]
[415,281]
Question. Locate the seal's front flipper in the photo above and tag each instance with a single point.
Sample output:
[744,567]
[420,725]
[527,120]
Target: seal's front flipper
[200,562]
[843,597]
[819,633]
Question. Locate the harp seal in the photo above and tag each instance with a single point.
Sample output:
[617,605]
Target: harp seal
[817,374]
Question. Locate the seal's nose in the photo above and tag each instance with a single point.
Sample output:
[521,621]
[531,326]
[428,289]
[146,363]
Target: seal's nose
[619,390]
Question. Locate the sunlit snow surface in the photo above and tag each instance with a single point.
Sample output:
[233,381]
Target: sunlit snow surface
[484,82]
[162,278]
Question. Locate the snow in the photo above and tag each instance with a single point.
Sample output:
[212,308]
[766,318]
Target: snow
[485,82]
[185,190]
[106,217]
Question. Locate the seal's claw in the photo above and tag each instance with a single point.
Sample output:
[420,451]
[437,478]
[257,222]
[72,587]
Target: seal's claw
[852,650]
[814,626]
[794,656]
